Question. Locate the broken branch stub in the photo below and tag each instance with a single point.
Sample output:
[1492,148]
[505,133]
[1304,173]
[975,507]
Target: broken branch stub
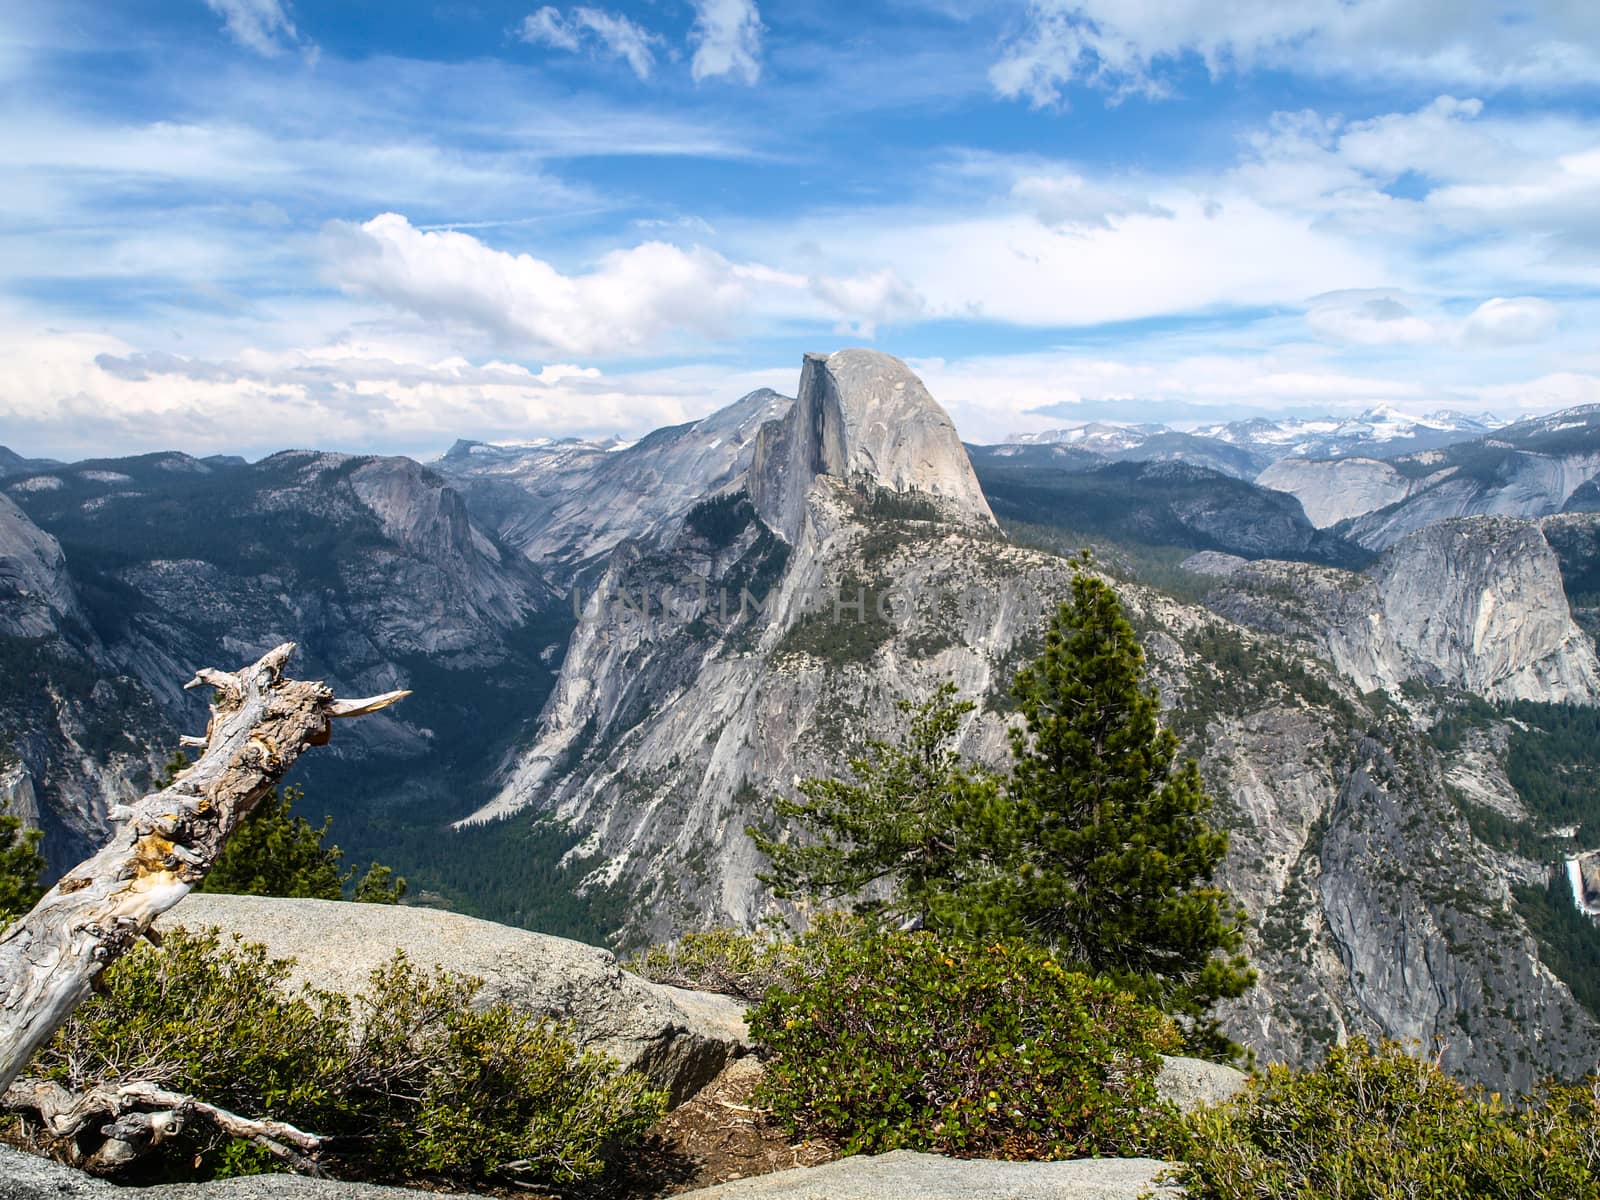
[160,848]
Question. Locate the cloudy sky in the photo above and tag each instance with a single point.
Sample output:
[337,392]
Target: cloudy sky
[239,225]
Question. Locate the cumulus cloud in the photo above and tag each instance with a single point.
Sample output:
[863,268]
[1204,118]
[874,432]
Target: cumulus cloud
[631,301]
[641,299]
[1368,317]
[260,25]
[613,34]
[726,36]
[868,300]
[1518,320]
[76,393]
[1127,45]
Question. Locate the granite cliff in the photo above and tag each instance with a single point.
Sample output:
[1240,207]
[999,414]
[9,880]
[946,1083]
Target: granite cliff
[721,657]
[1475,603]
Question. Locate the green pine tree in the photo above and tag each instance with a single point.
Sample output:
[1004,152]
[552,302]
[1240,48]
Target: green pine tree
[900,821]
[21,865]
[275,852]
[1111,853]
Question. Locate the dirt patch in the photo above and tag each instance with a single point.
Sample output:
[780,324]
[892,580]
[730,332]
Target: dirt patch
[716,1136]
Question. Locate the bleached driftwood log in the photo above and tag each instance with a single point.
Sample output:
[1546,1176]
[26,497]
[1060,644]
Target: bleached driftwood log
[161,847]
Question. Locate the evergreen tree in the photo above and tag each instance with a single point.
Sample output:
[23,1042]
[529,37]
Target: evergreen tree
[275,852]
[1111,855]
[21,865]
[900,821]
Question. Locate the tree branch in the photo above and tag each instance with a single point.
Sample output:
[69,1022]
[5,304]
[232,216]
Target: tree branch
[160,848]
[143,1115]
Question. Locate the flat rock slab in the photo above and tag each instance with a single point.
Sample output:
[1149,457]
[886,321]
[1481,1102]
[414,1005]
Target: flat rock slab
[680,1039]
[29,1177]
[905,1174]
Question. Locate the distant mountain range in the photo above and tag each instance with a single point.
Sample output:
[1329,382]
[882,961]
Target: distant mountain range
[1380,432]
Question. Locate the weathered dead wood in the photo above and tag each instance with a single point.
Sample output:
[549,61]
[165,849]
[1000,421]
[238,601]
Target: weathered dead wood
[160,848]
[142,1115]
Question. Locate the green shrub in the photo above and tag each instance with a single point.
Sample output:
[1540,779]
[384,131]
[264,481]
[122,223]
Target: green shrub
[408,1081]
[443,1091]
[747,965]
[1376,1123]
[21,865]
[902,1040]
[744,965]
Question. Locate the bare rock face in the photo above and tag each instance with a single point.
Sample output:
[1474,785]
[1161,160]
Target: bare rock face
[35,592]
[680,1039]
[564,504]
[1475,603]
[1334,490]
[1191,1083]
[1478,602]
[862,414]
[29,1177]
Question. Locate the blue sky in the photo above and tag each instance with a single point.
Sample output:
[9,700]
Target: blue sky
[238,225]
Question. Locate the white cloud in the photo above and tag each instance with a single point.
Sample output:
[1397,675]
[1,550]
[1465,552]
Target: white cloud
[1071,200]
[727,39]
[76,393]
[643,299]
[981,262]
[1559,389]
[868,299]
[1127,45]
[1510,322]
[631,301]
[260,25]
[616,35]
[547,28]
[1368,317]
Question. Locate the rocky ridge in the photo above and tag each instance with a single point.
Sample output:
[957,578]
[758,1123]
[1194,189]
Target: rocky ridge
[1475,603]
[673,723]
[372,565]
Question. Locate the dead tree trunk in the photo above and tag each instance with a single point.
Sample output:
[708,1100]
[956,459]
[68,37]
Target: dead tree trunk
[160,848]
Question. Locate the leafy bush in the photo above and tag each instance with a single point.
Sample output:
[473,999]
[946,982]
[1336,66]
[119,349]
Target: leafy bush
[1375,1123]
[902,1040]
[407,1080]
[747,965]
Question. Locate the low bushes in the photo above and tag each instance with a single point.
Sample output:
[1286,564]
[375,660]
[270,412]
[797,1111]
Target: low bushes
[1375,1123]
[902,1040]
[409,1081]
[748,965]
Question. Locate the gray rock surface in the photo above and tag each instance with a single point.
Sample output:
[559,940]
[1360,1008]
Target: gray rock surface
[1333,490]
[29,1177]
[1473,602]
[680,1039]
[1191,1082]
[35,592]
[861,414]
[905,1174]
[896,1176]
[565,503]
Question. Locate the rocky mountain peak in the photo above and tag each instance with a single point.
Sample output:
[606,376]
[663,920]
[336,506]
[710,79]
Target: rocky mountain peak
[862,414]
